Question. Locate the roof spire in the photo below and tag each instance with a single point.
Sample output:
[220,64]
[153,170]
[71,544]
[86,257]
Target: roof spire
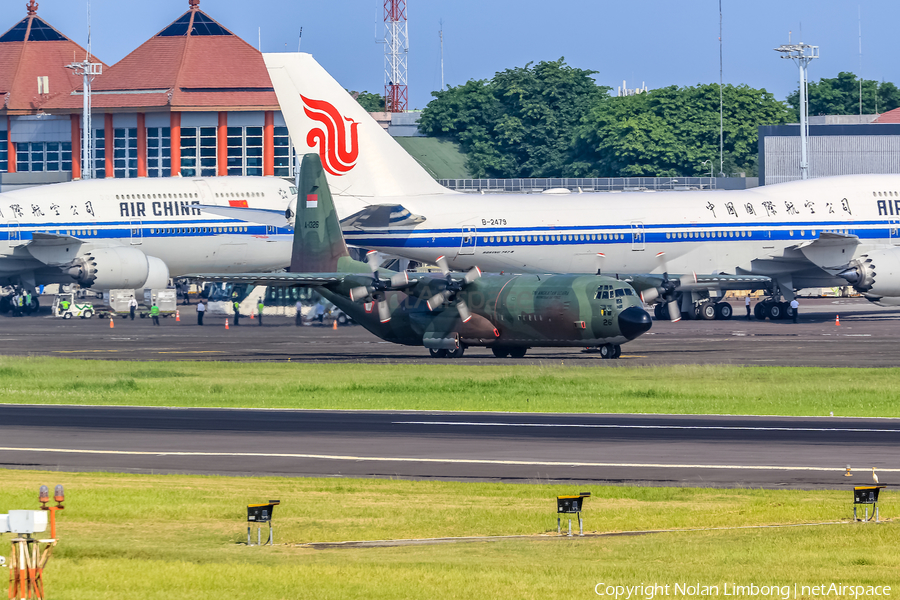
[195,4]
[32,7]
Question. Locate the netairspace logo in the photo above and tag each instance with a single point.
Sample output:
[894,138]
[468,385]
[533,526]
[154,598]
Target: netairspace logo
[785,592]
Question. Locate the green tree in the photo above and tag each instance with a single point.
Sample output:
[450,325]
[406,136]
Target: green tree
[670,131]
[520,123]
[840,96]
[369,101]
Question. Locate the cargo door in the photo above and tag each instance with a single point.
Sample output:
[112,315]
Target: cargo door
[469,238]
[637,236]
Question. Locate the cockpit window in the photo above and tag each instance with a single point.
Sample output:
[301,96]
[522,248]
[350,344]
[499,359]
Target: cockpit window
[293,191]
[602,295]
[620,292]
[629,292]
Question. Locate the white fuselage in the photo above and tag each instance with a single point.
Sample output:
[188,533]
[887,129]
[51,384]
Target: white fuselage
[706,232]
[153,215]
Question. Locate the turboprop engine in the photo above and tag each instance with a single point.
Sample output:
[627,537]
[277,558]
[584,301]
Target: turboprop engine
[876,275]
[118,268]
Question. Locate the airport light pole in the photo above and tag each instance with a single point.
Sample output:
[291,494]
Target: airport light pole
[802,54]
[88,70]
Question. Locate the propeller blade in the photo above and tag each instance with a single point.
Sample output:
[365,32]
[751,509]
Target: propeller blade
[463,309]
[650,296]
[436,301]
[373,259]
[401,279]
[441,262]
[473,274]
[687,279]
[674,312]
[359,293]
[384,311]
[599,260]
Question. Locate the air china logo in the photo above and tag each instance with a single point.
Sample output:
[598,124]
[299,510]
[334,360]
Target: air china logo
[338,153]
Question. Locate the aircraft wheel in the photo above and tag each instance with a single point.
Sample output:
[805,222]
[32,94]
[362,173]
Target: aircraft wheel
[724,311]
[760,311]
[458,353]
[437,353]
[616,351]
[500,352]
[517,352]
[606,351]
[661,312]
[5,305]
[776,311]
[788,311]
[707,311]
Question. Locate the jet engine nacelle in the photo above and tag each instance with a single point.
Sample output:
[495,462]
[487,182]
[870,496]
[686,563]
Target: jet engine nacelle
[876,274]
[118,268]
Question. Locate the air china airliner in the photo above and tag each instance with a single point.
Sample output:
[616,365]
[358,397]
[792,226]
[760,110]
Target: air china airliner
[781,238]
[136,233]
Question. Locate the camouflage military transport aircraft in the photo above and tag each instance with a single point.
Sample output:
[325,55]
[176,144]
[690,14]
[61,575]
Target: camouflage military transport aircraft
[450,311]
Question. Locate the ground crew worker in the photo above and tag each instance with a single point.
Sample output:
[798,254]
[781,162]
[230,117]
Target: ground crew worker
[64,306]
[20,304]
[795,307]
[237,312]
[259,309]
[201,310]
[298,320]
[132,307]
[28,307]
[154,312]
[747,304]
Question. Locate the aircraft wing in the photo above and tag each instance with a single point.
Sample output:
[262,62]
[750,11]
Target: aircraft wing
[263,216]
[283,279]
[52,249]
[379,216]
[645,281]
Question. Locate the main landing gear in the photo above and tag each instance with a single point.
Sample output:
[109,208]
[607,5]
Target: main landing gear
[707,310]
[511,352]
[773,310]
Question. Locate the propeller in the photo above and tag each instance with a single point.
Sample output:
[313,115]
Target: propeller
[376,290]
[668,288]
[453,286]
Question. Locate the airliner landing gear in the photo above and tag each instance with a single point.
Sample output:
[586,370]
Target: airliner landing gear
[774,310]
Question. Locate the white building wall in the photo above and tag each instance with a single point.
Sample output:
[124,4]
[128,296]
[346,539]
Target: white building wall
[831,155]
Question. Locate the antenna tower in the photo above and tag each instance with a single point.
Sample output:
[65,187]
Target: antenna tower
[802,54]
[88,70]
[396,51]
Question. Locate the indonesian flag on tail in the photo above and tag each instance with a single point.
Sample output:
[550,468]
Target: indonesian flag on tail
[312,201]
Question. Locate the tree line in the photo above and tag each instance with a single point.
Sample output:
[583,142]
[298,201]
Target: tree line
[553,120]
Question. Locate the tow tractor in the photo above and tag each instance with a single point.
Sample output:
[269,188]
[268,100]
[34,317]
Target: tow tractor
[85,310]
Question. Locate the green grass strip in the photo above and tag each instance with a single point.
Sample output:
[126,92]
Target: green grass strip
[548,388]
[139,536]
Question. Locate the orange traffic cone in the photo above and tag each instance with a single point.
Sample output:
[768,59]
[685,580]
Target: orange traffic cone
[335,325]
[226,323]
[251,315]
[111,324]
[837,320]
[177,316]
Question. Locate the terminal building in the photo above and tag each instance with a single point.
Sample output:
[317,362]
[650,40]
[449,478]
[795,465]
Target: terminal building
[174,106]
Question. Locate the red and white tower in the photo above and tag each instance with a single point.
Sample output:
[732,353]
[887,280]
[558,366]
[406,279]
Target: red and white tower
[396,51]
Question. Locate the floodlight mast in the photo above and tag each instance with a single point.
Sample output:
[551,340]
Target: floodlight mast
[802,54]
[88,70]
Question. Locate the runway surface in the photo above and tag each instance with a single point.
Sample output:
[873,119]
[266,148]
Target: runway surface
[866,338]
[770,452]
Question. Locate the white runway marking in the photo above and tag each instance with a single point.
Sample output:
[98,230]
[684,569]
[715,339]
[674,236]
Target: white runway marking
[460,461]
[612,426]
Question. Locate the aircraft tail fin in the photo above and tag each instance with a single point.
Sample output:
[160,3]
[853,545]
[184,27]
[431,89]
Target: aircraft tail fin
[319,245]
[360,157]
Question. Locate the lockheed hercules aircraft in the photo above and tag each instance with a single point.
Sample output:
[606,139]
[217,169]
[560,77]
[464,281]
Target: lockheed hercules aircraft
[448,312]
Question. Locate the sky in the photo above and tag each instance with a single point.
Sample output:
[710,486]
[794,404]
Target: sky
[657,42]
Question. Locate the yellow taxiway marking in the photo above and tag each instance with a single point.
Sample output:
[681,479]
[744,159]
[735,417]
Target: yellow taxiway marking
[464,461]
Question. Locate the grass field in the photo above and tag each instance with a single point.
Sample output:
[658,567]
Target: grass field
[137,536]
[550,388]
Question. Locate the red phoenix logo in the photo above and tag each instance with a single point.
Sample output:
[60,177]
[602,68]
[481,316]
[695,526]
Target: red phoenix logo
[338,153]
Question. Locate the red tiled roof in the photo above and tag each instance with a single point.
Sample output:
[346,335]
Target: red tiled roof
[193,71]
[891,116]
[23,60]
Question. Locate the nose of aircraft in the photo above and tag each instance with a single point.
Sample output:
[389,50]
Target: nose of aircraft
[633,322]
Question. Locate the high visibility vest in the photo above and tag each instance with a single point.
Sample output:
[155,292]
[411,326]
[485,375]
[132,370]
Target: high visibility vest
[154,311]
